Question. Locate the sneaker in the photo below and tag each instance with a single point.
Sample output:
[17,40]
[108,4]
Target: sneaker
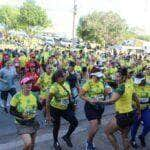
[94,146]
[90,146]
[134,144]
[142,140]
[57,146]
[67,140]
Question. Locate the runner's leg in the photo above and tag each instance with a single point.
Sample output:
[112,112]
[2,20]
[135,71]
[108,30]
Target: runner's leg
[27,141]
[33,136]
[70,117]
[94,127]
[135,127]
[110,129]
[125,139]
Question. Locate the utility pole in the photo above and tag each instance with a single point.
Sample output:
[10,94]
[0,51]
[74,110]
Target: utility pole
[73,27]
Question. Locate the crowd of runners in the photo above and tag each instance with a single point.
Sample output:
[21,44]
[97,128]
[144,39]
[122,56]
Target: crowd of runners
[55,80]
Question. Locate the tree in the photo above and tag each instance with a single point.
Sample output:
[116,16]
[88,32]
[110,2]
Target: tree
[115,27]
[90,28]
[32,17]
[8,17]
[105,28]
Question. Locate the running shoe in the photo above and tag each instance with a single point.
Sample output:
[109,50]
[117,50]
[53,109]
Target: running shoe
[142,140]
[67,140]
[90,146]
[57,146]
[134,144]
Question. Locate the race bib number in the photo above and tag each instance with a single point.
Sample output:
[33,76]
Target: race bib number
[64,102]
[144,100]
[100,98]
[30,111]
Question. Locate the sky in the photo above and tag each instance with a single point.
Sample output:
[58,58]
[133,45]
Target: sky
[135,12]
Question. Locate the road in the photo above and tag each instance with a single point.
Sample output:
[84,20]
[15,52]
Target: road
[9,140]
[44,138]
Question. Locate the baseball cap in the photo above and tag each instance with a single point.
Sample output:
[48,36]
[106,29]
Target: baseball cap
[97,74]
[26,80]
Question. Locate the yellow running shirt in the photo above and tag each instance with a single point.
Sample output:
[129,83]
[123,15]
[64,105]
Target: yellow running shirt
[93,89]
[27,105]
[124,104]
[143,93]
[61,96]
[23,60]
[45,83]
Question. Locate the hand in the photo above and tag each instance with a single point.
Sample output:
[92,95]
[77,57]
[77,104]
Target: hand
[108,90]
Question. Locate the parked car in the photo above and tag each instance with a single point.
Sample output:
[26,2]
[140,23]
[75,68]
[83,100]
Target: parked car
[50,42]
[65,42]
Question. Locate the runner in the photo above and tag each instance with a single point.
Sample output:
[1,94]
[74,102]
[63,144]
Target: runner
[7,84]
[33,61]
[57,107]
[84,76]
[44,82]
[92,92]
[122,97]
[23,60]
[24,106]
[35,76]
[72,79]
[16,62]
[142,90]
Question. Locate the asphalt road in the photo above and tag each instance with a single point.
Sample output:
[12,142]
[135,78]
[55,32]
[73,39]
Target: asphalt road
[7,126]
[44,138]
[9,140]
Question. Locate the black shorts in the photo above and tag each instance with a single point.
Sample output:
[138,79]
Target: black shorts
[125,120]
[92,113]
